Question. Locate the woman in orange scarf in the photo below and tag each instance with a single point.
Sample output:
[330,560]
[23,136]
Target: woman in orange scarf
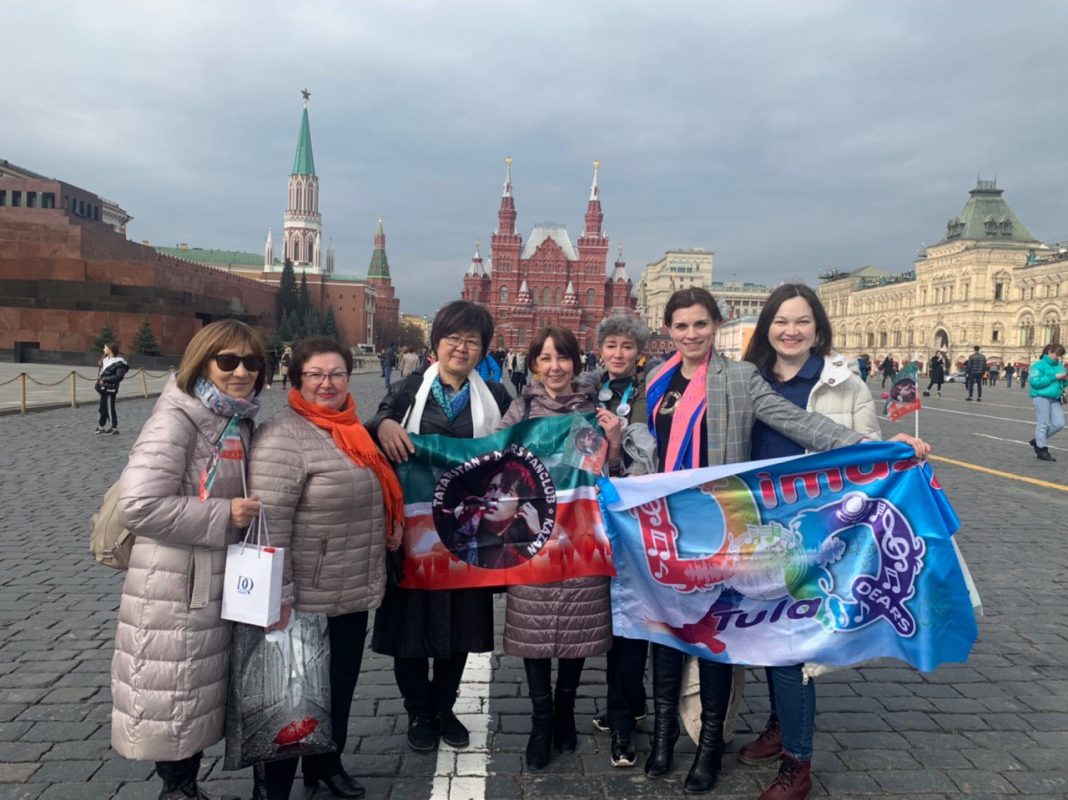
[333,502]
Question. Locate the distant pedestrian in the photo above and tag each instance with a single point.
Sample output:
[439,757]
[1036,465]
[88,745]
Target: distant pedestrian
[1048,382]
[409,362]
[888,369]
[273,360]
[974,368]
[992,375]
[517,370]
[113,369]
[284,361]
[864,365]
[936,373]
[389,361]
[1010,370]
[1025,371]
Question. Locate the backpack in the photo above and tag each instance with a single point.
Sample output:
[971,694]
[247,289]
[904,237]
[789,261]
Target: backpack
[109,542]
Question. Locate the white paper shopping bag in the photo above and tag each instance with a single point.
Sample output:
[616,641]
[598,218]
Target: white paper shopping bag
[252,586]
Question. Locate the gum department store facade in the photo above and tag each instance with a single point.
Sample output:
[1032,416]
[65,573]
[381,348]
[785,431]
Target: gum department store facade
[989,282]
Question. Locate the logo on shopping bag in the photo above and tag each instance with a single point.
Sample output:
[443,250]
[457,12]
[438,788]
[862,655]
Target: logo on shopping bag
[244,584]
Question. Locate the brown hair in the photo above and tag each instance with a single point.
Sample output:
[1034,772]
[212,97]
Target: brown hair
[564,341]
[210,341]
[1053,349]
[694,296]
[759,350]
[306,348]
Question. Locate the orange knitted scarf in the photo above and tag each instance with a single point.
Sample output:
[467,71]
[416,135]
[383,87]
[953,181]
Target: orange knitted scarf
[353,440]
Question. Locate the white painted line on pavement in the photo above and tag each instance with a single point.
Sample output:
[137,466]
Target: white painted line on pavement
[461,774]
[986,404]
[1015,441]
[1030,422]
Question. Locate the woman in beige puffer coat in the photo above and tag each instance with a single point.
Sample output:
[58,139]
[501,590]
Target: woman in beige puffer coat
[171,668]
[570,620]
[326,506]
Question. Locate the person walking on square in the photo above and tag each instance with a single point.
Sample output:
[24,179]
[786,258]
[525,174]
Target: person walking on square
[1010,371]
[864,365]
[113,368]
[936,373]
[888,369]
[974,368]
[1025,372]
[992,374]
[1048,381]
[184,502]
[421,628]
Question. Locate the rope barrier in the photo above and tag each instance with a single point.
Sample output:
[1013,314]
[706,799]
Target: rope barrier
[23,378]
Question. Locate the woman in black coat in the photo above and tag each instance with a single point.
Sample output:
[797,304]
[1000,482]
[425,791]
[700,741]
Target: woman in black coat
[415,625]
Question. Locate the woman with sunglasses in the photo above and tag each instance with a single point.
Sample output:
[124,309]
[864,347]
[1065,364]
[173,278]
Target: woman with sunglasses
[184,500]
[332,501]
[418,626]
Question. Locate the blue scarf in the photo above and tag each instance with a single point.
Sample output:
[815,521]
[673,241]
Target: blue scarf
[452,402]
[224,405]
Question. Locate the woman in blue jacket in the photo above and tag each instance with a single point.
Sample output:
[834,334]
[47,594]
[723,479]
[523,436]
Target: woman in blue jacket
[1047,381]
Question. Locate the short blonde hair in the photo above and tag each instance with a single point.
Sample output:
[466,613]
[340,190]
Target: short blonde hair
[210,341]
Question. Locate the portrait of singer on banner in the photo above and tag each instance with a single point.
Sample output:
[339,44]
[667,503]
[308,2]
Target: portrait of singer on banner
[835,558]
[517,507]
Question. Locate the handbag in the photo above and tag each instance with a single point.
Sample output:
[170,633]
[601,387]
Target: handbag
[278,705]
[252,585]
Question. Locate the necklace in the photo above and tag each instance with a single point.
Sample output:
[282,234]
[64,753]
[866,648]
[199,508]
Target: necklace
[668,404]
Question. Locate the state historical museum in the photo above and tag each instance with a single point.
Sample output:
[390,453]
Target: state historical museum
[548,280]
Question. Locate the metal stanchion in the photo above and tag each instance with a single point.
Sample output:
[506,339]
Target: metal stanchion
[73,389]
[22,392]
[144,382]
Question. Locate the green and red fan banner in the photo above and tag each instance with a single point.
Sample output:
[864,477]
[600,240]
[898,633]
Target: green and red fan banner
[478,511]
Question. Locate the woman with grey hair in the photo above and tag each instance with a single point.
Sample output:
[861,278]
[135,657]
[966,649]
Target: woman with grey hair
[621,389]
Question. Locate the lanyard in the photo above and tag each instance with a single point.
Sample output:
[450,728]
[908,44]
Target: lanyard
[626,395]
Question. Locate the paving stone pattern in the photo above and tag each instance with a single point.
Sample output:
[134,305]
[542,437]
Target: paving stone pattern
[997,726]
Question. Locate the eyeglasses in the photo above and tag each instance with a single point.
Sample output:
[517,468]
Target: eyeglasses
[455,342]
[319,377]
[228,362]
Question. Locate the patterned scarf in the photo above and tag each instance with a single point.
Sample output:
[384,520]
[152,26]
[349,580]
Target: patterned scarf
[452,402]
[683,450]
[352,439]
[229,447]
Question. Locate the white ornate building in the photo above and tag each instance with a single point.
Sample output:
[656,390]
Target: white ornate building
[988,282]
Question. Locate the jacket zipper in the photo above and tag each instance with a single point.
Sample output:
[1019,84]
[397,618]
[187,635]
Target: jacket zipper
[322,558]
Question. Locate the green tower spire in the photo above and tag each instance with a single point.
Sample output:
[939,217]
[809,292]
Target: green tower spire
[304,162]
[379,263]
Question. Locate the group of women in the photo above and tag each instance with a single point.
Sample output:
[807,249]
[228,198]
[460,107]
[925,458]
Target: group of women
[324,482]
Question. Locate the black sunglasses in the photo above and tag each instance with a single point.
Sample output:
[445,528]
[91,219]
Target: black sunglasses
[228,362]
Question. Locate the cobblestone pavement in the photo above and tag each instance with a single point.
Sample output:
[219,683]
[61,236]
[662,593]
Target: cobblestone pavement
[997,726]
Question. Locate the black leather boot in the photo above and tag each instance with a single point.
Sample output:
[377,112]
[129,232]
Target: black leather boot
[667,683]
[565,737]
[540,743]
[715,696]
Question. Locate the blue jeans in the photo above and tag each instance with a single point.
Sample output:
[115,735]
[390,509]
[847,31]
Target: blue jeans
[1008,381]
[1049,418]
[387,373]
[794,702]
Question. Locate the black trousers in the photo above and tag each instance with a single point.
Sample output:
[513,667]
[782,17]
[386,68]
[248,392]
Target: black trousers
[974,381]
[425,696]
[626,682]
[107,410]
[347,635]
[934,383]
[540,679]
[176,774]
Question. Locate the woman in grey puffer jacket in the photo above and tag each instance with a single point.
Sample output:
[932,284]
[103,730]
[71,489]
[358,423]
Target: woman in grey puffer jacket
[570,620]
[330,498]
[171,668]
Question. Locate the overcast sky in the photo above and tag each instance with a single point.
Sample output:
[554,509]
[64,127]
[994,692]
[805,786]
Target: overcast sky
[789,137]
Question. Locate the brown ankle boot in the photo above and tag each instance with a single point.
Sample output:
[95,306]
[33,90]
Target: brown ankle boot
[766,747]
[793,782]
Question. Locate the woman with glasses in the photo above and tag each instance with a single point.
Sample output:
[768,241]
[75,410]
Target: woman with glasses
[416,626]
[333,502]
[183,499]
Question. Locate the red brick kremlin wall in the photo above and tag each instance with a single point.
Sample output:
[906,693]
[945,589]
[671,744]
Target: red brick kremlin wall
[62,279]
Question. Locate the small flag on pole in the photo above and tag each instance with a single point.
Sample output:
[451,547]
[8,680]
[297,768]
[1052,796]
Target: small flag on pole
[904,396]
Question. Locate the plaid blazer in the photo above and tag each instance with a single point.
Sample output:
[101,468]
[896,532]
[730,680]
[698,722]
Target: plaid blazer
[738,396]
